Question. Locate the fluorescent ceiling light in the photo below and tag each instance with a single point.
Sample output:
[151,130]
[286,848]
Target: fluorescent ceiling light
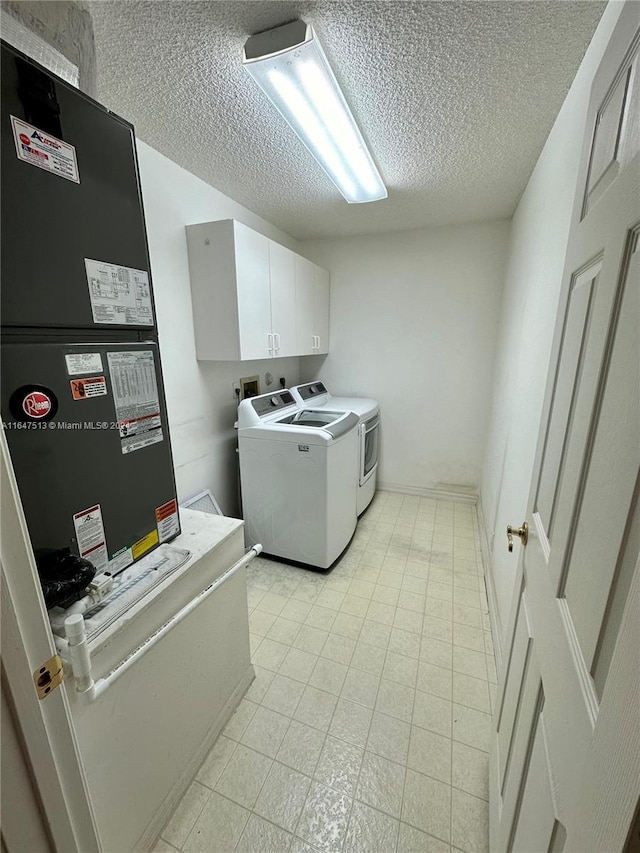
[290,67]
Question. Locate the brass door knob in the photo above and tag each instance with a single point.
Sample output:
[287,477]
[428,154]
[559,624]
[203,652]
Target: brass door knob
[522,532]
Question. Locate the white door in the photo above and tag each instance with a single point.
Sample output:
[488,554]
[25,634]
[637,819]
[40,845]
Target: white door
[565,754]
[254,296]
[321,309]
[46,728]
[305,304]
[282,274]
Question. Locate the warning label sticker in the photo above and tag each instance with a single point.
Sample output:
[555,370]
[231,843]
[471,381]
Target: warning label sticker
[83,362]
[120,561]
[168,521]
[119,295]
[39,149]
[82,389]
[135,394]
[90,536]
[145,544]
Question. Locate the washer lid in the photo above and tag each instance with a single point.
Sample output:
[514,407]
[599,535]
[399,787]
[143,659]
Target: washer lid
[335,423]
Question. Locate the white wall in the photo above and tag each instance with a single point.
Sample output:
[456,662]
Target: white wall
[539,233]
[414,317]
[199,395]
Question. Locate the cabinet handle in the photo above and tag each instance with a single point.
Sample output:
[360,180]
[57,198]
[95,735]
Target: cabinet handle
[270,342]
[277,342]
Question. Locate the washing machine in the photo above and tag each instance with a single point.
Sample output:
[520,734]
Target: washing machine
[315,395]
[299,486]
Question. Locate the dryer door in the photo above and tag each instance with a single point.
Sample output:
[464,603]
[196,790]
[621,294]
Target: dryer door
[369,447]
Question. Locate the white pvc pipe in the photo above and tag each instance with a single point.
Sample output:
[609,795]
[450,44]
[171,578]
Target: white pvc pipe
[75,628]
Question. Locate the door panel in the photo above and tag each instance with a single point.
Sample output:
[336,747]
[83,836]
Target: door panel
[579,574]
[282,273]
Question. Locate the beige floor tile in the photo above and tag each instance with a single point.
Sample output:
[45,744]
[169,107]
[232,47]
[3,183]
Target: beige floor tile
[240,719]
[316,708]
[368,658]
[328,675]
[471,727]
[266,731]
[389,737]
[408,620]
[469,662]
[260,684]
[282,797]
[324,818]
[433,713]
[404,643]
[469,823]
[430,753]
[260,835]
[375,634]
[379,612]
[186,814]
[414,584]
[470,638]
[412,840]
[296,610]
[339,765]
[438,629]
[270,654]
[467,615]
[438,608]
[411,601]
[310,639]
[427,805]
[321,617]
[385,595]
[361,589]
[260,622]
[466,597]
[162,846]
[347,625]
[244,776]
[400,668]
[436,680]
[443,591]
[216,761]
[284,630]
[370,831]
[437,652]
[390,579]
[298,665]
[351,722]
[338,648]
[301,747]
[218,827]
[331,599]
[361,687]
[283,695]
[467,580]
[381,784]
[395,700]
[473,692]
[354,606]
[273,603]
[470,770]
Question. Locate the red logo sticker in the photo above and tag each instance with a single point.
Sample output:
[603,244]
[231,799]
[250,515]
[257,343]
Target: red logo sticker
[25,139]
[36,405]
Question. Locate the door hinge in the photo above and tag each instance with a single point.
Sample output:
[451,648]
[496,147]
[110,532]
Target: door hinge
[48,676]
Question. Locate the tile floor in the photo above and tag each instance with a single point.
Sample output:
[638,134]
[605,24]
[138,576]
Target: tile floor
[367,726]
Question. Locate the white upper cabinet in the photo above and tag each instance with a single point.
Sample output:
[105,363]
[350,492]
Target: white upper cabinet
[282,273]
[312,307]
[253,298]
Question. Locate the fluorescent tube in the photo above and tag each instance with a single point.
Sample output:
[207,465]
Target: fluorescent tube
[290,67]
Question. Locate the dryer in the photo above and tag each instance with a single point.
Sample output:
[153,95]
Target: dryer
[315,395]
[299,486]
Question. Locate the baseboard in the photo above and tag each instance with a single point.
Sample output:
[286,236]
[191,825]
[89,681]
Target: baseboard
[156,825]
[469,497]
[496,633]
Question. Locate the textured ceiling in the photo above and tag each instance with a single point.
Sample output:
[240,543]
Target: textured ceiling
[455,99]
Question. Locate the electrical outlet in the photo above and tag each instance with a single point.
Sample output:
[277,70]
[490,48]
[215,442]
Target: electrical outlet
[237,394]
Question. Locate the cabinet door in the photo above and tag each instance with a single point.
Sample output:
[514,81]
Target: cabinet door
[254,298]
[282,271]
[321,309]
[305,302]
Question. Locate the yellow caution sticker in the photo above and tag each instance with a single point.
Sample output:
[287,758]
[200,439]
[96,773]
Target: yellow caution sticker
[145,544]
